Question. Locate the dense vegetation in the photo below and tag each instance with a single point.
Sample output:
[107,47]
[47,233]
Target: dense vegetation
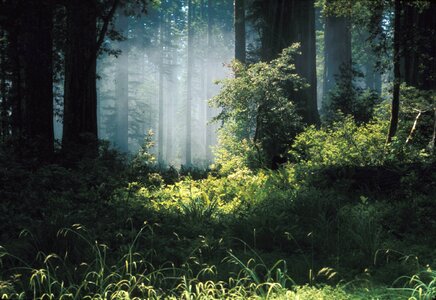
[299,203]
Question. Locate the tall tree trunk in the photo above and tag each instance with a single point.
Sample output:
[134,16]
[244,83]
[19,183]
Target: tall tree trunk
[122,88]
[203,78]
[188,159]
[80,99]
[287,22]
[306,63]
[37,78]
[160,142]
[15,97]
[209,78]
[397,74]
[419,42]
[337,52]
[240,41]
[172,81]
[373,76]
[4,114]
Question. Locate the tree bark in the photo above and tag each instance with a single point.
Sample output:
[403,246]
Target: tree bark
[16,92]
[337,52]
[287,22]
[419,32]
[38,76]
[80,98]
[306,63]
[4,114]
[240,41]
[397,74]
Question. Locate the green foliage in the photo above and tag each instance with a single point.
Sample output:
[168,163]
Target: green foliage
[362,230]
[235,155]
[258,105]
[418,112]
[349,99]
[326,218]
[143,165]
[342,143]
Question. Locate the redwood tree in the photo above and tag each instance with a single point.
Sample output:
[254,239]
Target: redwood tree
[80,99]
[284,22]
[240,42]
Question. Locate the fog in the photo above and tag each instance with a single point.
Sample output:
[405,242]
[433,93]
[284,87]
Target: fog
[155,78]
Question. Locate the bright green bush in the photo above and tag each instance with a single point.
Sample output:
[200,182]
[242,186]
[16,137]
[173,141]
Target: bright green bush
[257,107]
[342,143]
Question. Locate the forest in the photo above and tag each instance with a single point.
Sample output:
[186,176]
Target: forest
[218,149]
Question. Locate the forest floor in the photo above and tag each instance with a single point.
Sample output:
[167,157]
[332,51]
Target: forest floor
[104,230]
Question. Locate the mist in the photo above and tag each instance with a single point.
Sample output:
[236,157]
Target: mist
[156,76]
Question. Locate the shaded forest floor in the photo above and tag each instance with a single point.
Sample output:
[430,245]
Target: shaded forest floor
[107,230]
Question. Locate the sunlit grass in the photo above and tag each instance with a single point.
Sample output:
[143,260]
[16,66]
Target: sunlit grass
[132,276]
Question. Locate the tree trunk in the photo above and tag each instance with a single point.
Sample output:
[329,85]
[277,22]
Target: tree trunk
[373,77]
[38,78]
[397,74]
[160,142]
[173,82]
[80,99]
[16,92]
[209,78]
[306,63]
[419,42]
[240,41]
[4,114]
[287,22]
[122,88]
[203,77]
[337,52]
[188,160]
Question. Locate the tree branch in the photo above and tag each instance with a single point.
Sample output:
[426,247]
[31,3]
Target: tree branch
[106,21]
[409,138]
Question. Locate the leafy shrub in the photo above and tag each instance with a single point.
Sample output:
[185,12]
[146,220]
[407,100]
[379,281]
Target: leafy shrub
[418,112]
[342,143]
[350,99]
[258,103]
[362,232]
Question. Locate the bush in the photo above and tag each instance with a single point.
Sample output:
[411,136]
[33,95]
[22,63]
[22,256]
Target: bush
[258,106]
[342,143]
[349,99]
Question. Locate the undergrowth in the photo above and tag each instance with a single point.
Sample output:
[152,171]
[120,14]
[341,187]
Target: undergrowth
[345,219]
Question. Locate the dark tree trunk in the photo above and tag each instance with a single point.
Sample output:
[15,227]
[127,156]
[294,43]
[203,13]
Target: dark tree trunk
[37,108]
[240,41]
[29,61]
[337,52]
[306,63]
[122,89]
[4,114]
[15,96]
[287,22]
[80,99]
[397,74]
[419,32]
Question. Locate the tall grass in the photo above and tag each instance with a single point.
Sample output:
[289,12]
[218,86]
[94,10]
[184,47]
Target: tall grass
[132,276]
